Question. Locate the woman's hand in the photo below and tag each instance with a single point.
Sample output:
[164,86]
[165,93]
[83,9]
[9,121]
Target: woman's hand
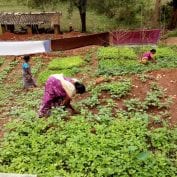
[75,112]
[66,101]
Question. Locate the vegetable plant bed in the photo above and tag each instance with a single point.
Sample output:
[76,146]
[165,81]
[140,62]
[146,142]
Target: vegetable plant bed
[126,126]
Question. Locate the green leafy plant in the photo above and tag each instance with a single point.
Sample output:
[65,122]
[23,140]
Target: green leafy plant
[117,89]
[166,57]
[91,101]
[135,105]
[119,67]
[67,66]
[156,97]
[49,147]
[65,63]
[144,77]
[67,72]
[7,70]
[118,53]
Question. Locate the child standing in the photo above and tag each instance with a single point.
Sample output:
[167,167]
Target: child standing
[28,80]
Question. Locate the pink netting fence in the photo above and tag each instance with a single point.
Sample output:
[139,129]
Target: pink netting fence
[136,37]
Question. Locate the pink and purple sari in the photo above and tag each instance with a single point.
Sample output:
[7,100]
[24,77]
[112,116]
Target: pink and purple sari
[54,94]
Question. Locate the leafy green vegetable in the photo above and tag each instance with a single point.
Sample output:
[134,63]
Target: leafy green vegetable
[112,62]
[117,89]
[67,72]
[118,53]
[65,63]
[52,147]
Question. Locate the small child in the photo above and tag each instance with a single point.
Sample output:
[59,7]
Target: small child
[148,57]
[28,80]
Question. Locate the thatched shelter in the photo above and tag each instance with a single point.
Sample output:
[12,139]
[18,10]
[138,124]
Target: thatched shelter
[9,20]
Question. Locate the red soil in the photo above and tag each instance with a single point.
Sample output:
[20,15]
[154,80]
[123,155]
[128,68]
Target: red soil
[11,36]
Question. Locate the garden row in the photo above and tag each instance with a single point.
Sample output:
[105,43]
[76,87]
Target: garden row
[103,140]
[121,61]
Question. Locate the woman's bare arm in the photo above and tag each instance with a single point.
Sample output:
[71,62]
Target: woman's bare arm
[67,102]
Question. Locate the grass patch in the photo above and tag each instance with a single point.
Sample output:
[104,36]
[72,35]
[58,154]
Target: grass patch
[68,66]
[66,72]
[116,53]
[65,63]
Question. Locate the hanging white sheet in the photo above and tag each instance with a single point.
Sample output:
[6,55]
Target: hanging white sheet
[16,48]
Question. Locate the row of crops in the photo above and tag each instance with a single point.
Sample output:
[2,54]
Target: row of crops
[104,140]
[120,61]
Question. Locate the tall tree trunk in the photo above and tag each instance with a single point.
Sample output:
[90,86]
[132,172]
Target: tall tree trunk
[83,20]
[156,16]
[173,21]
[82,5]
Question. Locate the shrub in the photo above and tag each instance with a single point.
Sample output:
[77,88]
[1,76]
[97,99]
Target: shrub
[65,63]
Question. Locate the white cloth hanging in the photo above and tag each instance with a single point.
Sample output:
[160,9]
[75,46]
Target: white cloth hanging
[16,48]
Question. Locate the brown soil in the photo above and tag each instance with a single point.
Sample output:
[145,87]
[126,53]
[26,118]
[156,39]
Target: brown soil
[170,41]
[12,36]
[167,79]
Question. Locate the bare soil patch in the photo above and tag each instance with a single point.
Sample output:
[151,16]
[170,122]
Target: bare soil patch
[11,36]
[170,41]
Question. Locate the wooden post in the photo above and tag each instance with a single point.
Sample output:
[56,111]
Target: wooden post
[3,29]
[29,29]
[11,28]
[156,17]
[111,38]
[55,23]
[35,29]
[56,29]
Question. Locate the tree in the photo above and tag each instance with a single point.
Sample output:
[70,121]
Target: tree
[173,21]
[81,5]
[128,12]
[156,16]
